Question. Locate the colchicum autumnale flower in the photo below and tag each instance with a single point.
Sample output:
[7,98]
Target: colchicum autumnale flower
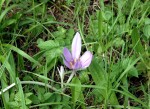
[61,73]
[72,59]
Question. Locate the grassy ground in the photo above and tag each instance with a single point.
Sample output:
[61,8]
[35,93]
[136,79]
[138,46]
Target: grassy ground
[33,34]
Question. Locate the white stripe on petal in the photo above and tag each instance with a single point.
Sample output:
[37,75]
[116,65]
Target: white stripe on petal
[76,46]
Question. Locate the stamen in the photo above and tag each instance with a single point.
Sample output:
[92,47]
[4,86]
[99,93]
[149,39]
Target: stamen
[71,64]
[75,60]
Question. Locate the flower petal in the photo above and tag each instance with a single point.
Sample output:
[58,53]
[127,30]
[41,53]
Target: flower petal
[77,65]
[67,55]
[67,64]
[61,72]
[76,46]
[86,59]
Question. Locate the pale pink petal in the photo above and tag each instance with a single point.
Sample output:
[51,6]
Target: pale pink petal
[67,64]
[67,55]
[86,59]
[76,46]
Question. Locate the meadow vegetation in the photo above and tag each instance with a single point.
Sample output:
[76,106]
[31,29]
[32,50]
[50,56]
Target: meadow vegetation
[33,34]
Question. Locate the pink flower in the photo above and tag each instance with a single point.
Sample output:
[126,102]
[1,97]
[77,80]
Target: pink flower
[72,59]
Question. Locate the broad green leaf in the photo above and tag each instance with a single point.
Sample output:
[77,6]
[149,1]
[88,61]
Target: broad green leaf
[81,98]
[28,94]
[53,53]
[107,15]
[97,95]
[136,42]
[14,104]
[100,78]
[60,33]
[147,21]
[28,101]
[17,97]
[97,72]
[75,90]
[21,93]
[35,99]
[118,42]
[47,95]
[133,72]
[146,31]
[47,45]
[84,78]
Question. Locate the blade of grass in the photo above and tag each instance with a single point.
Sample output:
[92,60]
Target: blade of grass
[131,12]
[143,14]
[35,6]
[5,96]
[1,4]
[127,93]
[130,65]
[100,26]
[126,98]
[87,86]
[40,76]
[22,53]
[7,65]
[100,78]
[23,105]
[117,18]
[6,11]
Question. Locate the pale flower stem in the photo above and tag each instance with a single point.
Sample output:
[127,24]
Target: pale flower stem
[61,73]
[61,83]
[71,76]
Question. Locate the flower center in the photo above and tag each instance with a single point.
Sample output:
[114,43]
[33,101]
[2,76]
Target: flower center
[72,63]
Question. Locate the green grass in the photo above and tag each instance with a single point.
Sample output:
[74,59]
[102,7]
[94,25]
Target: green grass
[33,34]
